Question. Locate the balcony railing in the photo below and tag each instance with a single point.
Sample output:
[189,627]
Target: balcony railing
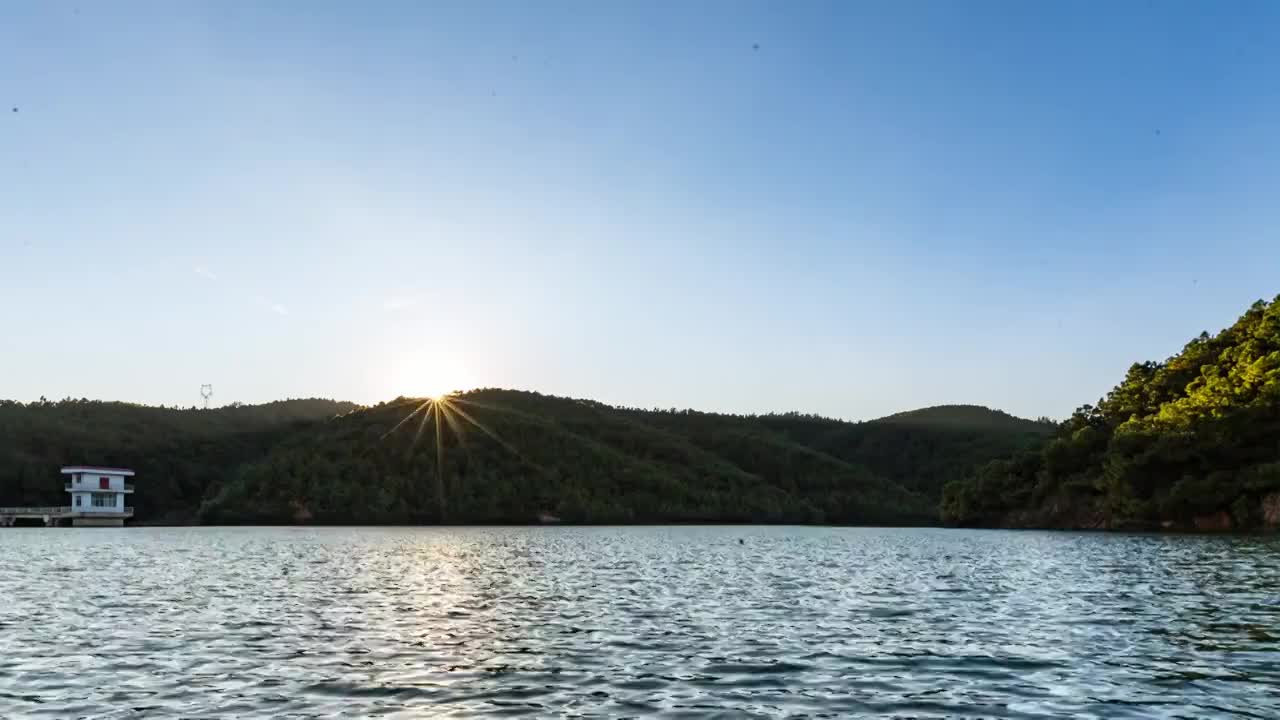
[69,486]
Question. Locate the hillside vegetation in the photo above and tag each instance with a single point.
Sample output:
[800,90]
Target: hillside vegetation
[508,456]
[179,454]
[968,418]
[1191,442]
[503,456]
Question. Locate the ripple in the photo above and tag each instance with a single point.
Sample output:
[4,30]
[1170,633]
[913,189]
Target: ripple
[671,622]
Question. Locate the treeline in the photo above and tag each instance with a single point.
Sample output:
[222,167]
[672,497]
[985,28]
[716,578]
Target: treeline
[1192,442]
[502,456]
[179,455]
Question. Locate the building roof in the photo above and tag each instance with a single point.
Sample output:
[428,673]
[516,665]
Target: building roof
[96,469]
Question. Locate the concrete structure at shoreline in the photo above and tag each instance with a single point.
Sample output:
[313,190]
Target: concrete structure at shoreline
[97,500]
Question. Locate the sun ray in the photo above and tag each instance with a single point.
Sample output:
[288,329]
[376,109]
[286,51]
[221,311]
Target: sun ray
[484,429]
[501,409]
[445,409]
[440,498]
[406,419]
[426,417]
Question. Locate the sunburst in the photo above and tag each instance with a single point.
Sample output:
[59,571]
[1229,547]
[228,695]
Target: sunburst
[439,411]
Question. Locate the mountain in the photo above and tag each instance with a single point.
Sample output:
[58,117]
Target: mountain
[1189,443]
[968,417]
[178,453]
[505,456]
[921,450]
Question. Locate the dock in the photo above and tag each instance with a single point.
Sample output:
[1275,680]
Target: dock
[53,516]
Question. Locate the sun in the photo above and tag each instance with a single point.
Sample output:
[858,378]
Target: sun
[425,373]
[433,395]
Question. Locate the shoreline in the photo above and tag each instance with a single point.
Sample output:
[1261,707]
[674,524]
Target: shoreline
[1262,532]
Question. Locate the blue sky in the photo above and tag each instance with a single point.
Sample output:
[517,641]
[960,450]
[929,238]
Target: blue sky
[843,208]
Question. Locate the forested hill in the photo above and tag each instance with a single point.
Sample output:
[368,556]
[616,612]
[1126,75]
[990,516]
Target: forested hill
[969,418]
[510,456]
[179,454]
[1192,442]
[502,456]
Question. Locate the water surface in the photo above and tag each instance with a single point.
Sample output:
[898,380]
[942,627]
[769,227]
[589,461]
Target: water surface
[611,622]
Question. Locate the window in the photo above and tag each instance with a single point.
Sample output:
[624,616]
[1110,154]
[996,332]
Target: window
[104,500]
[78,500]
[104,483]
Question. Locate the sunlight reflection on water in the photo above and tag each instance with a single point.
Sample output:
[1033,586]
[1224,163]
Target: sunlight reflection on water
[679,622]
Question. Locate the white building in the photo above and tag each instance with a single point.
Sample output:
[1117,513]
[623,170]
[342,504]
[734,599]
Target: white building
[97,495]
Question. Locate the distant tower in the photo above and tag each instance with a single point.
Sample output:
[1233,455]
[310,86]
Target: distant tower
[206,392]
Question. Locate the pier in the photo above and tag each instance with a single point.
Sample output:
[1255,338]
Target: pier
[53,516]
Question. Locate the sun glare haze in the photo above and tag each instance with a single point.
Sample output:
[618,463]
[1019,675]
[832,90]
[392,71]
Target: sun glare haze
[750,207]
[425,373]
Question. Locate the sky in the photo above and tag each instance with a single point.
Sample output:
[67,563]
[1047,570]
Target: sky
[846,208]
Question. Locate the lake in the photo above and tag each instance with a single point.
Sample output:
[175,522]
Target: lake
[642,621]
